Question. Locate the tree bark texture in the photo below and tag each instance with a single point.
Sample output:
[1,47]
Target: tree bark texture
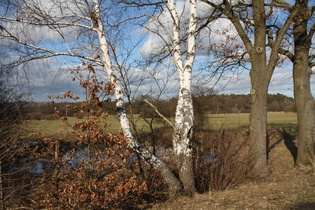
[184,116]
[183,140]
[260,78]
[304,100]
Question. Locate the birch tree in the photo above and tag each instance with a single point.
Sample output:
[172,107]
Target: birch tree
[72,22]
[250,19]
[184,116]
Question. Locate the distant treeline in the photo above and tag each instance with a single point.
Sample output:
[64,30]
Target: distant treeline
[207,104]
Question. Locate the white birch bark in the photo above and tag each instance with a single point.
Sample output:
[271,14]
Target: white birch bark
[167,174]
[184,116]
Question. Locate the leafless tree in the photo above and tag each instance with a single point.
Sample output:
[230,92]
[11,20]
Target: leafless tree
[250,19]
[79,29]
[302,57]
[12,98]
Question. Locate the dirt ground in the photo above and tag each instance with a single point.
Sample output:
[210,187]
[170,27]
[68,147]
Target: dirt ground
[293,190]
[286,187]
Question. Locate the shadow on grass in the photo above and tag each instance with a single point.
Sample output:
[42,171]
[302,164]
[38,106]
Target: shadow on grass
[289,133]
[289,143]
[303,206]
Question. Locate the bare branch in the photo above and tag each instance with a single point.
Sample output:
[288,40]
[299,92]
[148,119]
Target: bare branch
[286,53]
[149,3]
[279,3]
[311,32]
[59,24]
[280,35]
[227,9]
[159,113]
[51,53]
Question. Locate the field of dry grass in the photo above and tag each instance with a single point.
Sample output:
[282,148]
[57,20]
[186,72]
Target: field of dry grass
[59,127]
[234,121]
[290,188]
[294,189]
[215,122]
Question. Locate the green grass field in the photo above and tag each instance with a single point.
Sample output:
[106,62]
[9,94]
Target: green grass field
[234,121]
[57,127]
[51,128]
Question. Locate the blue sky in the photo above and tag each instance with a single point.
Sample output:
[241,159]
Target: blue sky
[59,81]
[55,79]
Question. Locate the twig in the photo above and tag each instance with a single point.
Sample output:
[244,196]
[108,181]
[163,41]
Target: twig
[157,111]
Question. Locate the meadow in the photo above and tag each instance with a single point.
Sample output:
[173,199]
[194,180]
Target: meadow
[270,193]
[49,128]
[288,120]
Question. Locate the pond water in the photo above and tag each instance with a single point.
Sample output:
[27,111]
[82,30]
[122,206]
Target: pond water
[80,158]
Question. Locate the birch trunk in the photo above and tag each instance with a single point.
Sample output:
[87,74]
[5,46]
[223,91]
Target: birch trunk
[173,182]
[183,140]
[184,116]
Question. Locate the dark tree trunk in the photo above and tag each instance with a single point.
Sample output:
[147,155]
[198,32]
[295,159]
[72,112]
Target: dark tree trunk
[261,70]
[302,90]
[258,127]
[260,78]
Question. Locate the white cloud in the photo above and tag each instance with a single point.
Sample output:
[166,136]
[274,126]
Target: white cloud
[239,83]
[160,27]
[219,35]
[56,81]
[38,12]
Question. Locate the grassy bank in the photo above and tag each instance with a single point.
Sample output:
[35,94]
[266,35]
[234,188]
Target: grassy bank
[292,190]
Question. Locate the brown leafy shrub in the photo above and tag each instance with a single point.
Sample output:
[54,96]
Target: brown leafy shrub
[94,171]
[99,178]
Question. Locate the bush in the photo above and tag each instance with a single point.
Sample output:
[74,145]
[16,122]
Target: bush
[221,160]
[39,116]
